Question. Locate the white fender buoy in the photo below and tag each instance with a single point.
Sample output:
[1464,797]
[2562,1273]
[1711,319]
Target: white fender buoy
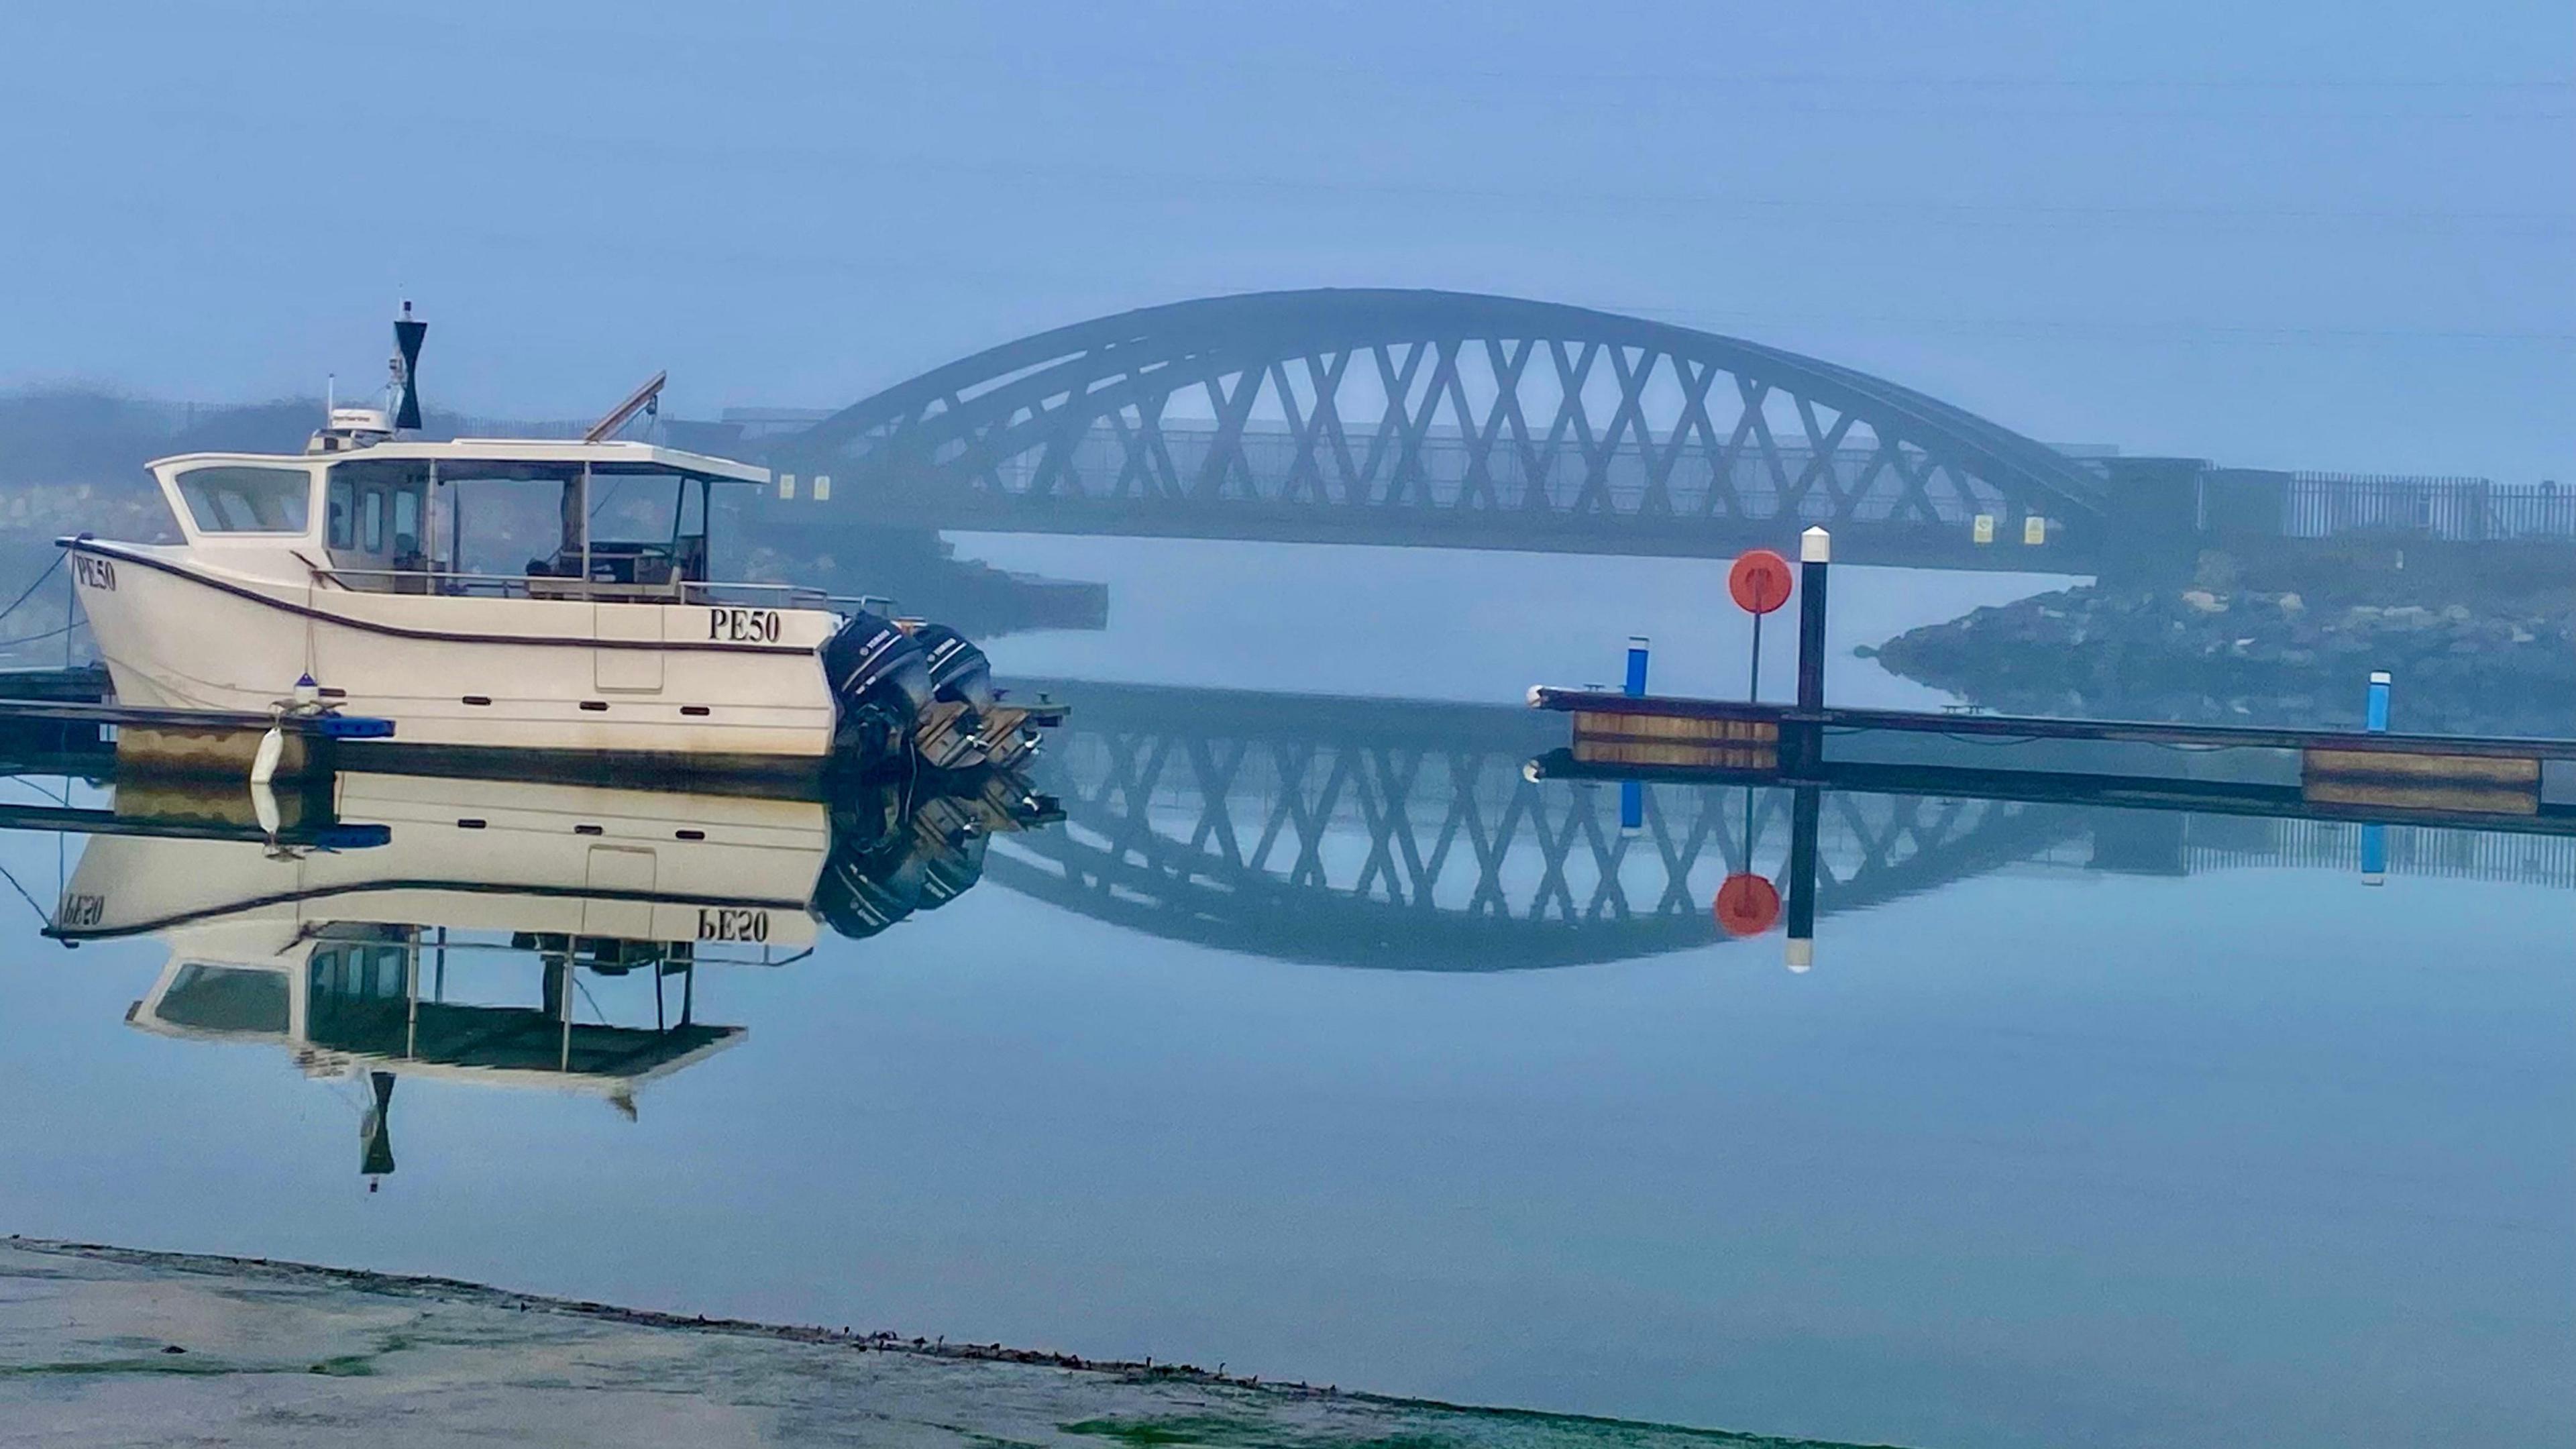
[263,765]
[263,804]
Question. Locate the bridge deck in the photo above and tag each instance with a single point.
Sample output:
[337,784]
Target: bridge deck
[1889,543]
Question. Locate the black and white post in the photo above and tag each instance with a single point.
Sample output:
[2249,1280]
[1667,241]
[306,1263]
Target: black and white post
[1806,740]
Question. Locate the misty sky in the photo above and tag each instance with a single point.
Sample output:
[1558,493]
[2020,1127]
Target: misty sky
[2288,234]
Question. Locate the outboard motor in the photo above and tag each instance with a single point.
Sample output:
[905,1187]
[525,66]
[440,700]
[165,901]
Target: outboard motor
[950,732]
[880,679]
[1000,734]
[958,670]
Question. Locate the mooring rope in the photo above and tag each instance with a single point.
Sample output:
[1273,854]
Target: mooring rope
[30,592]
[41,913]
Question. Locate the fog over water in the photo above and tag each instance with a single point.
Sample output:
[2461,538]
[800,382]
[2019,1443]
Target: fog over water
[1456,625]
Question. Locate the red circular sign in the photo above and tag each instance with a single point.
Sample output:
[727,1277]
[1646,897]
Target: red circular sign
[1747,904]
[1759,581]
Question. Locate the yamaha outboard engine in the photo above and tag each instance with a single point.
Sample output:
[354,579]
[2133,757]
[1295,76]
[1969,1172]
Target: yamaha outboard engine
[958,670]
[951,731]
[967,703]
[881,681]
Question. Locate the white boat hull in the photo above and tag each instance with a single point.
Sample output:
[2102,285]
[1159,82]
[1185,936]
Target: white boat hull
[711,683]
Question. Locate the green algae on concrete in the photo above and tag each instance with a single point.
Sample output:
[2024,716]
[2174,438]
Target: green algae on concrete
[112,1346]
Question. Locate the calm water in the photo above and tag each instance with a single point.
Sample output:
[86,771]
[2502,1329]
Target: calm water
[2086,1127]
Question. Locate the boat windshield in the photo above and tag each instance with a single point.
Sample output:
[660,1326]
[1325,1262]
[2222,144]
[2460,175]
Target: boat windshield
[230,498]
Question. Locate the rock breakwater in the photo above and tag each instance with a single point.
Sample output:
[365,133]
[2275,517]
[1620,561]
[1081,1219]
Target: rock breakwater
[2215,652]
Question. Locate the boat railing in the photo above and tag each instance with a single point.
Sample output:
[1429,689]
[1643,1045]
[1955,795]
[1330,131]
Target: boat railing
[605,591]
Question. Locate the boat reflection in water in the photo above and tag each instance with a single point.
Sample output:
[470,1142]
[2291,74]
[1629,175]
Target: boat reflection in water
[467,930]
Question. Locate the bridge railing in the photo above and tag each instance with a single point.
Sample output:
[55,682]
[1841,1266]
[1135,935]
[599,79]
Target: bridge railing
[1441,469]
[2467,510]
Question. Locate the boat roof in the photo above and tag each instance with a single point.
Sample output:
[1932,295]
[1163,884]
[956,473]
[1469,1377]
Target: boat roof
[620,455]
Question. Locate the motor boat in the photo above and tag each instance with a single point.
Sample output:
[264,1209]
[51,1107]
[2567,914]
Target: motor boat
[338,580]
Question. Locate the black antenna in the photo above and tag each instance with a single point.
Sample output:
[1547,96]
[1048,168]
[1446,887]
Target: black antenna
[408,331]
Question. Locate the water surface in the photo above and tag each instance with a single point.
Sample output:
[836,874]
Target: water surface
[2086,1127]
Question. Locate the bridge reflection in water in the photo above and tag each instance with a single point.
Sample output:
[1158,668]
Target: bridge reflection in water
[1394,834]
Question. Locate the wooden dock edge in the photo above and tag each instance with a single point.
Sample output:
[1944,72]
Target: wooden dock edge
[2458,780]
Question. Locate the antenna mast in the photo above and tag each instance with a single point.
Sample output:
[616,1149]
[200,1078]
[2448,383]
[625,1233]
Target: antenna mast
[408,331]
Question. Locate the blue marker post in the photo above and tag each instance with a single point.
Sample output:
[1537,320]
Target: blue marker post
[1632,793]
[2374,838]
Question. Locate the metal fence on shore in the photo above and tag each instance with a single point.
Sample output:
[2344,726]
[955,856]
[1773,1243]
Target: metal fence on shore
[2467,510]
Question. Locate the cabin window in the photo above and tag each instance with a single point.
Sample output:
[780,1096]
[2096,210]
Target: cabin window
[406,523]
[380,517]
[233,499]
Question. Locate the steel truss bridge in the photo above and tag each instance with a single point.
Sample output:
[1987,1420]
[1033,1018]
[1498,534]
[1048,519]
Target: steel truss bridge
[1435,418]
[1393,834]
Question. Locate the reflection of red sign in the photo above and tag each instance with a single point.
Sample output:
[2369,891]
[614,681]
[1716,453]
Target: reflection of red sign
[1746,905]
[1759,581]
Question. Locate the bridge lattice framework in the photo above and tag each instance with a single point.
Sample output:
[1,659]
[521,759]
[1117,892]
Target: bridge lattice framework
[1415,416]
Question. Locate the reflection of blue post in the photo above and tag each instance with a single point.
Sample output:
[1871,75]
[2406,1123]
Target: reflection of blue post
[1632,794]
[2374,838]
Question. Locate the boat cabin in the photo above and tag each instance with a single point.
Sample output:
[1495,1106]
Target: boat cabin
[402,517]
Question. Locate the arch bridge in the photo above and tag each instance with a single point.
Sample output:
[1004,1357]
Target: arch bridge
[1435,418]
